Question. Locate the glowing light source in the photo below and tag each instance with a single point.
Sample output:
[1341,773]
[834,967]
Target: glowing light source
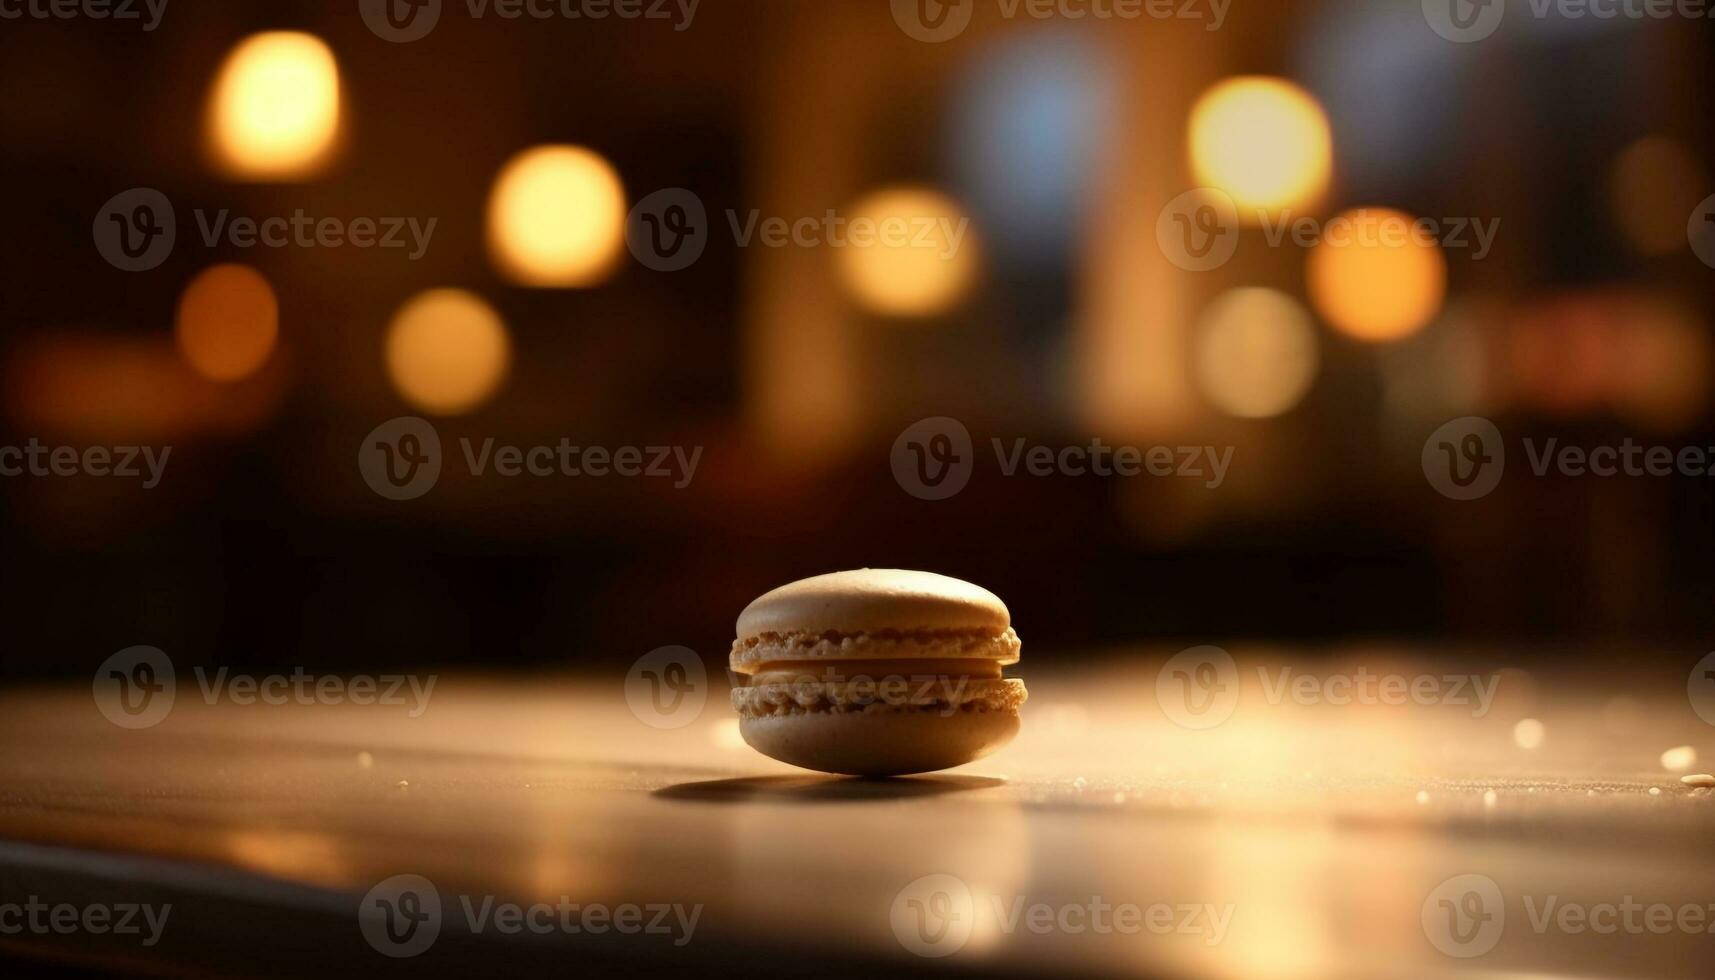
[275,111]
[228,322]
[447,351]
[1679,758]
[556,217]
[1375,276]
[909,252]
[1264,141]
[1656,184]
[1529,733]
[1256,353]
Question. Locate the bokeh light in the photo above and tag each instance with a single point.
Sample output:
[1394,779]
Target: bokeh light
[1559,352]
[1680,758]
[1374,277]
[1256,353]
[1529,733]
[447,351]
[556,217]
[228,322]
[1646,355]
[1264,141]
[1661,369]
[96,386]
[275,111]
[920,259]
[1656,184]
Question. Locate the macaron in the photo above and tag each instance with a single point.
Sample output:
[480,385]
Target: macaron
[876,672]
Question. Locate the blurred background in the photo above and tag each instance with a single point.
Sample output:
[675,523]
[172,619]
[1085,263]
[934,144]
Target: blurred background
[526,318]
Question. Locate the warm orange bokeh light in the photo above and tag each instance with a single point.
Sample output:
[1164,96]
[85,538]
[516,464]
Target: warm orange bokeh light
[95,386]
[912,253]
[228,322]
[1375,277]
[556,218]
[275,109]
[1264,141]
[1256,353]
[447,351]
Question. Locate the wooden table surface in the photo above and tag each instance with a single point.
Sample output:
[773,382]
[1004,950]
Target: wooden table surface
[1296,839]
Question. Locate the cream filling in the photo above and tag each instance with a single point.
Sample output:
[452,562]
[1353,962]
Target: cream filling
[750,653]
[844,671]
[946,695]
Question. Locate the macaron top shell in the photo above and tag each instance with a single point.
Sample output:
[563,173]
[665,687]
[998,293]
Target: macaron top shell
[875,599]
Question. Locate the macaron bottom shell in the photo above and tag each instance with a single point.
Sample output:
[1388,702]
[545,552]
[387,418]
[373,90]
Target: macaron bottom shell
[884,743]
